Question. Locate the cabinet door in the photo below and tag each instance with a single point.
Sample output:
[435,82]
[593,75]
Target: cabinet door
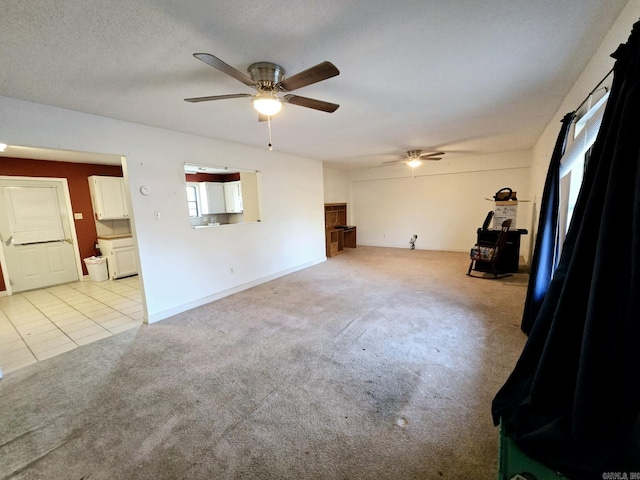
[123,262]
[215,195]
[211,197]
[233,197]
[109,201]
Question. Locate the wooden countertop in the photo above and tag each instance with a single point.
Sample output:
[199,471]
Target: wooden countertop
[113,237]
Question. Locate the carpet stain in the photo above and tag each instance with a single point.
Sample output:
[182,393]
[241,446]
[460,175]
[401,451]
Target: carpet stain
[402,422]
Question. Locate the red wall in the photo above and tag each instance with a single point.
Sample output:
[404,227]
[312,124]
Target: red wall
[212,177]
[76,175]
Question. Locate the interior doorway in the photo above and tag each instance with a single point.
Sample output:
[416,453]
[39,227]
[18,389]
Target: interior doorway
[74,168]
[38,323]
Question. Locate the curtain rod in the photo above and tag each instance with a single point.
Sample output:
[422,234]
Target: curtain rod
[594,90]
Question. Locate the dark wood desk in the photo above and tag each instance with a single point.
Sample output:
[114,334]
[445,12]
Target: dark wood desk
[510,257]
[349,232]
[337,233]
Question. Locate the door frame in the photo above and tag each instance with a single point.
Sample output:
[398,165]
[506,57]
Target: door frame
[72,226]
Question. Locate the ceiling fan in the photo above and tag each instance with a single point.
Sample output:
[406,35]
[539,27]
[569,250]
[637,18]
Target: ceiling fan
[415,157]
[268,79]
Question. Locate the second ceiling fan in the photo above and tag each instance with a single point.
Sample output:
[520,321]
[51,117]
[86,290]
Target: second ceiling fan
[268,79]
[415,157]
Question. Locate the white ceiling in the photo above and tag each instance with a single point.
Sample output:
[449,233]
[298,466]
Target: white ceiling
[462,76]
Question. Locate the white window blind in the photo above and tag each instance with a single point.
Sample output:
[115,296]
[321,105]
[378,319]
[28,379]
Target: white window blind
[33,214]
[587,130]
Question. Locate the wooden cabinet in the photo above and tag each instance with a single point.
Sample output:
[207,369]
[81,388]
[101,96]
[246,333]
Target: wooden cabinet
[338,234]
[108,197]
[335,214]
[233,197]
[212,197]
[335,242]
[121,256]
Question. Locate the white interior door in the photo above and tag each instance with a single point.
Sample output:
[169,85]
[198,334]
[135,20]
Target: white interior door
[36,234]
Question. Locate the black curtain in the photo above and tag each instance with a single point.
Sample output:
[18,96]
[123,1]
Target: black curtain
[546,250]
[573,399]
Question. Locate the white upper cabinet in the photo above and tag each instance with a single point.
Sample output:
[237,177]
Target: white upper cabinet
[108,197]
[212,197]
[233,197]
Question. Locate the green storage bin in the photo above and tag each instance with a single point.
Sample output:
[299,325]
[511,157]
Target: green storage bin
[512,462]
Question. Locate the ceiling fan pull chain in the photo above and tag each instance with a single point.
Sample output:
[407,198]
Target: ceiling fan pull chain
[269,127]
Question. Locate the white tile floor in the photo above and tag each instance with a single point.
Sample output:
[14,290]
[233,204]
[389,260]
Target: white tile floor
[40,324]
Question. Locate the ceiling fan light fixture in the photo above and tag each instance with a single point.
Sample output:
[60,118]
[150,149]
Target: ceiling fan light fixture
[267,103]
[414,163]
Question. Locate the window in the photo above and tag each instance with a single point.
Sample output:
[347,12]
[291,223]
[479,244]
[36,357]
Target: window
[574,161]
[192,200]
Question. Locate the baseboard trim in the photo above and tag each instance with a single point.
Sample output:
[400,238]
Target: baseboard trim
[156,317]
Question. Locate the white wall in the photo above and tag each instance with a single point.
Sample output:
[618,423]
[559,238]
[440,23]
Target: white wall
[336,186]
[441,202]
[182,267]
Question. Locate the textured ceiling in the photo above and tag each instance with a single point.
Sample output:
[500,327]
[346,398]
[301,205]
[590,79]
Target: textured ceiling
[462,76]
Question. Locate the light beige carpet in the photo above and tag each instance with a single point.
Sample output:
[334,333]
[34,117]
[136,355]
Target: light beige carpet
[379,364]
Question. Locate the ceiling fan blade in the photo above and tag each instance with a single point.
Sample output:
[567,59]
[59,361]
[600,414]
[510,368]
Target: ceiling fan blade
[427,156]
[320,72]
[403,160]
[216,97]
[225,68]
[311,103]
